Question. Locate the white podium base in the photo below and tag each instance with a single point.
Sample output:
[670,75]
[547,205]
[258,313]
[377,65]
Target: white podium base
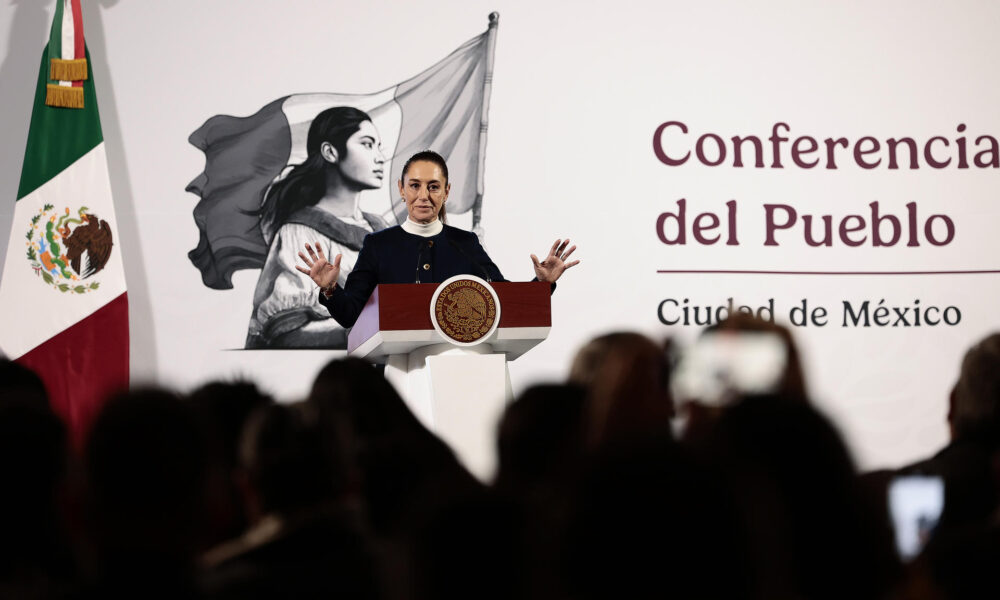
[460,394]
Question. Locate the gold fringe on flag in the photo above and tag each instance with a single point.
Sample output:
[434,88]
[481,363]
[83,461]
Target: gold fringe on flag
[64,96]
[68,70]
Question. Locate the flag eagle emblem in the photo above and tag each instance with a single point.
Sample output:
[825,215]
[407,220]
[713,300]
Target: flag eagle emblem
[66,248]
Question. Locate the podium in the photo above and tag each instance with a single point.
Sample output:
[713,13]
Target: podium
[458,389]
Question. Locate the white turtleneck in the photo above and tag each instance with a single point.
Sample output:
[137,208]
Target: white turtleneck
[422,229]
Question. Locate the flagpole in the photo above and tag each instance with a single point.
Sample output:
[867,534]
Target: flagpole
[491,42]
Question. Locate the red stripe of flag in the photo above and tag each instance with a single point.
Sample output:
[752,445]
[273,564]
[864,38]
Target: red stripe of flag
[79,49]
[84,364]
[78,44]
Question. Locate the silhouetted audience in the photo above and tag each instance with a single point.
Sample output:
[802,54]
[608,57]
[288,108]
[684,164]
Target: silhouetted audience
[226,494]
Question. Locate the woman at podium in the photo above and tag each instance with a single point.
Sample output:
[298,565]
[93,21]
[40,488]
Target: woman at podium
[421,250]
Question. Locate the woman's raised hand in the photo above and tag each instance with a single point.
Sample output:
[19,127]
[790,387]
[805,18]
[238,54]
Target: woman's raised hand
[318,269]
[555,263]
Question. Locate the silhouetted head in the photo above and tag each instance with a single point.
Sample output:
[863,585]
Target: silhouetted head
[290,461]
[145,468]
[20,385]
[627,379]
[223,409]
[541,437]
[402,468]
[351,390]
[975,409]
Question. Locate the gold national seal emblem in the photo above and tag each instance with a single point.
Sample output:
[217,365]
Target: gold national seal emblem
[67,248]
[465,310]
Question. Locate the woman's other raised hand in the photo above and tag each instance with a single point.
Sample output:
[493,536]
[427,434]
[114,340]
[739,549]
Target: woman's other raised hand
[555,263]
[321,271]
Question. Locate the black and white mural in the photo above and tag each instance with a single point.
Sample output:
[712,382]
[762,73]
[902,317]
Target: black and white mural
[321,168]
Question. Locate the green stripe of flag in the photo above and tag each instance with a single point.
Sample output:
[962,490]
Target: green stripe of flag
[58,137]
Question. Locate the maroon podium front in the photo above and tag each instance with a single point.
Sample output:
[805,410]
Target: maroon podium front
[397,320]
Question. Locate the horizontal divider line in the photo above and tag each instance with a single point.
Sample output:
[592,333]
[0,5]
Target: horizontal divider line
[753,272]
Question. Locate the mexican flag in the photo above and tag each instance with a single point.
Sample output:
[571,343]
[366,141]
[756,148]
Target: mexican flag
[444,108]
[63,306]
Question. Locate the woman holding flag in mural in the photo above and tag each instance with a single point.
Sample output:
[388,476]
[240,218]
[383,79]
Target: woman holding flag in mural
[421,250]
[316,202]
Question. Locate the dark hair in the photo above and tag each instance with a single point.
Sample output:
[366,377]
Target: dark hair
[306,183]
[800,499]
[401,468]
[540,438]
[351,390]
[976,399]
[145,469]
[431,157]
[19,384]
[627,379]
[292,462]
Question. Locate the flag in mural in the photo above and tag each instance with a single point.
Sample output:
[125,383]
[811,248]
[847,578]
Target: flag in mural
[443,108]
[63,306]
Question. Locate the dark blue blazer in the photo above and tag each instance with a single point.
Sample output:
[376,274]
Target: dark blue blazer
[395,256]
